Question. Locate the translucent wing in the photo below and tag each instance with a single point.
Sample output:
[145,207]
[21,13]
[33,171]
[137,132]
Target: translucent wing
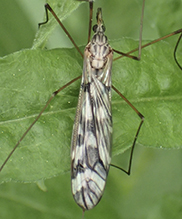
[91,140]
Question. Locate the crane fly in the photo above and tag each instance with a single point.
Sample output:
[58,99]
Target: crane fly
[92,131]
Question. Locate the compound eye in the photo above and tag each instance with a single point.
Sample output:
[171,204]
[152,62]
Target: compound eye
[95,28]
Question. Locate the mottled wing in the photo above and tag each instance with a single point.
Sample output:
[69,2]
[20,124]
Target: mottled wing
[91,139]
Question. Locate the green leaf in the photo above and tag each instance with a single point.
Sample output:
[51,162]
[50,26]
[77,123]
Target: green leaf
[62,9]
[153,85]
[31,76]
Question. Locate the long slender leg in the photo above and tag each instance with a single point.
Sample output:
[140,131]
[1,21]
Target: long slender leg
[44,108]
[90,19]
[136,135]
[48,7]
[175,50]
[152,42]
[140,39]
[140,47]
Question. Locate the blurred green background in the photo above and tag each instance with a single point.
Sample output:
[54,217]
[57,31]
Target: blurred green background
[20,18]
[154,190]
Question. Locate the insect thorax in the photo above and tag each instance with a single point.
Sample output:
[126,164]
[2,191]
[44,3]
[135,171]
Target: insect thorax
[99,49]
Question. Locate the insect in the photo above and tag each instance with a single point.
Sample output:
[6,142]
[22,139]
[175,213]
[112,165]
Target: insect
[79,163]
[91,138]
